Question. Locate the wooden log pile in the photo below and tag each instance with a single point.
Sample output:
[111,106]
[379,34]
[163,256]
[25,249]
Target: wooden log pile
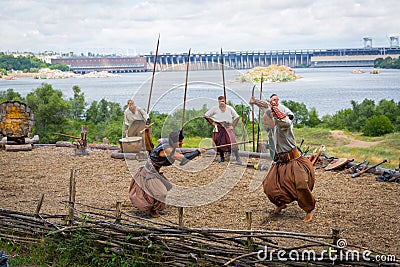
[16,119]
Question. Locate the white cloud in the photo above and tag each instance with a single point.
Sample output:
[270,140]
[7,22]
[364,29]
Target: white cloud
[121,25]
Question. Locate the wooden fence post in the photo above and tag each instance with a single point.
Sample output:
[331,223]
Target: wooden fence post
[118,212]
[39,206]
[180,219]
[72,194]
[335,239]
[335,235]
[249,221]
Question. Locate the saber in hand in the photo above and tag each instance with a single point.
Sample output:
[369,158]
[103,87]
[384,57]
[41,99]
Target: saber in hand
[142,131]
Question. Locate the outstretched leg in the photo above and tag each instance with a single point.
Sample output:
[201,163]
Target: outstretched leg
[238,160]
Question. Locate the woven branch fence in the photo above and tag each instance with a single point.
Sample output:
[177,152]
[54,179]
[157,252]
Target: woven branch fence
[171,244]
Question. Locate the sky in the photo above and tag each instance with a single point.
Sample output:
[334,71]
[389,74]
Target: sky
[133,27]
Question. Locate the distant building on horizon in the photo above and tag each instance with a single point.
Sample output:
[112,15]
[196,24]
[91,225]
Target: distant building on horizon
[113,64]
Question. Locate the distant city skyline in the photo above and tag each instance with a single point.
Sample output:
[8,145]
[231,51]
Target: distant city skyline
[132,27]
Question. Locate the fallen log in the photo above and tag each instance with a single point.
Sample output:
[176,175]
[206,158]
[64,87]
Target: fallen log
[65,144]
[241,153]
[104,146]
[121,155]
[16,148]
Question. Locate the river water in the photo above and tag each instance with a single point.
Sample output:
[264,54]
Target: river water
[326,89]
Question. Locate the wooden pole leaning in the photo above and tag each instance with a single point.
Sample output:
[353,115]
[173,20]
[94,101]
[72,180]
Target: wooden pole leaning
[180,209]
[184,94]
[152,77]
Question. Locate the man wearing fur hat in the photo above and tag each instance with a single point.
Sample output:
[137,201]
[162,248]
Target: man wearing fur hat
[149,187]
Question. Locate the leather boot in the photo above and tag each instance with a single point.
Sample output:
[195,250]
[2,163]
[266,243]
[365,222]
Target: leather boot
[238,160]
[222,157]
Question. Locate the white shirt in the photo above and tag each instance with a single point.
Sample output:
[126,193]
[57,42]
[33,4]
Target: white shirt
[227,116]
[139,115]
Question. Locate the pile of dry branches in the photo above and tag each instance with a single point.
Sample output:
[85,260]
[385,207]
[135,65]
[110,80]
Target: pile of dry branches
[174,245]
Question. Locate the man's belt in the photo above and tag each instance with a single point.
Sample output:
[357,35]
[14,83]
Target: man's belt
[285,157]
[224,124]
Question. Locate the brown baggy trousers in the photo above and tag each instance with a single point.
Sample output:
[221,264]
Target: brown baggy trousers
[291,181]
[148,191]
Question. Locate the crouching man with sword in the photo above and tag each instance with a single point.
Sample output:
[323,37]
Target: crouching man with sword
[291,176]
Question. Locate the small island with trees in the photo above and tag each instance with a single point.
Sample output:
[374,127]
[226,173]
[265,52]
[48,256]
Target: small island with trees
[271,73]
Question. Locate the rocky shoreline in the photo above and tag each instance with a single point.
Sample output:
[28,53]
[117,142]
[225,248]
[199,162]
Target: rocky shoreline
[47,73]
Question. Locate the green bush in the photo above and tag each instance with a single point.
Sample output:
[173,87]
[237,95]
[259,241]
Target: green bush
[378,126]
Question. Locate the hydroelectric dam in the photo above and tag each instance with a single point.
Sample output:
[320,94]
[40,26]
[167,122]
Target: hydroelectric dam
[313,58]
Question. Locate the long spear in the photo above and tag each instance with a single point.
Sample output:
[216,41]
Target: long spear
[243,127]
[223,75]
[259,113]
[184,95]
[180,209]
[152,78]
[252,118]
[238,143]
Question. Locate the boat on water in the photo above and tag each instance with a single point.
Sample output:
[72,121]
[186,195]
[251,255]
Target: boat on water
[375,71]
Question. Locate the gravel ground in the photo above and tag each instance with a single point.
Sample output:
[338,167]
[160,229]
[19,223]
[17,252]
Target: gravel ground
[365,211]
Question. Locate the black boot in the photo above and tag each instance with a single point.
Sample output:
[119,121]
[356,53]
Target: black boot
[238,160]
[222,157]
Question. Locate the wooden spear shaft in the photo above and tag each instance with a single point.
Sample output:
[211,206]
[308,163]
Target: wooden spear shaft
[152,78]
[252,119]
[223,75]
[243,127]
[184,95]
[238,143]
[180,209]
[259,114]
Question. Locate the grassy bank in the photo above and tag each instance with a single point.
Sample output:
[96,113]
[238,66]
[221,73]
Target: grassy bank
[372,149]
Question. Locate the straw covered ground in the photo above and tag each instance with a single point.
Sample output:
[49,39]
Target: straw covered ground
[365,211]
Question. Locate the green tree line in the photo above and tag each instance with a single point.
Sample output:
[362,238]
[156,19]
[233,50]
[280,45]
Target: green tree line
[56,114]
[26,64]
[387,63]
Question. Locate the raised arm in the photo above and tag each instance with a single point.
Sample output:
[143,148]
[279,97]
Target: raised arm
[258,102]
